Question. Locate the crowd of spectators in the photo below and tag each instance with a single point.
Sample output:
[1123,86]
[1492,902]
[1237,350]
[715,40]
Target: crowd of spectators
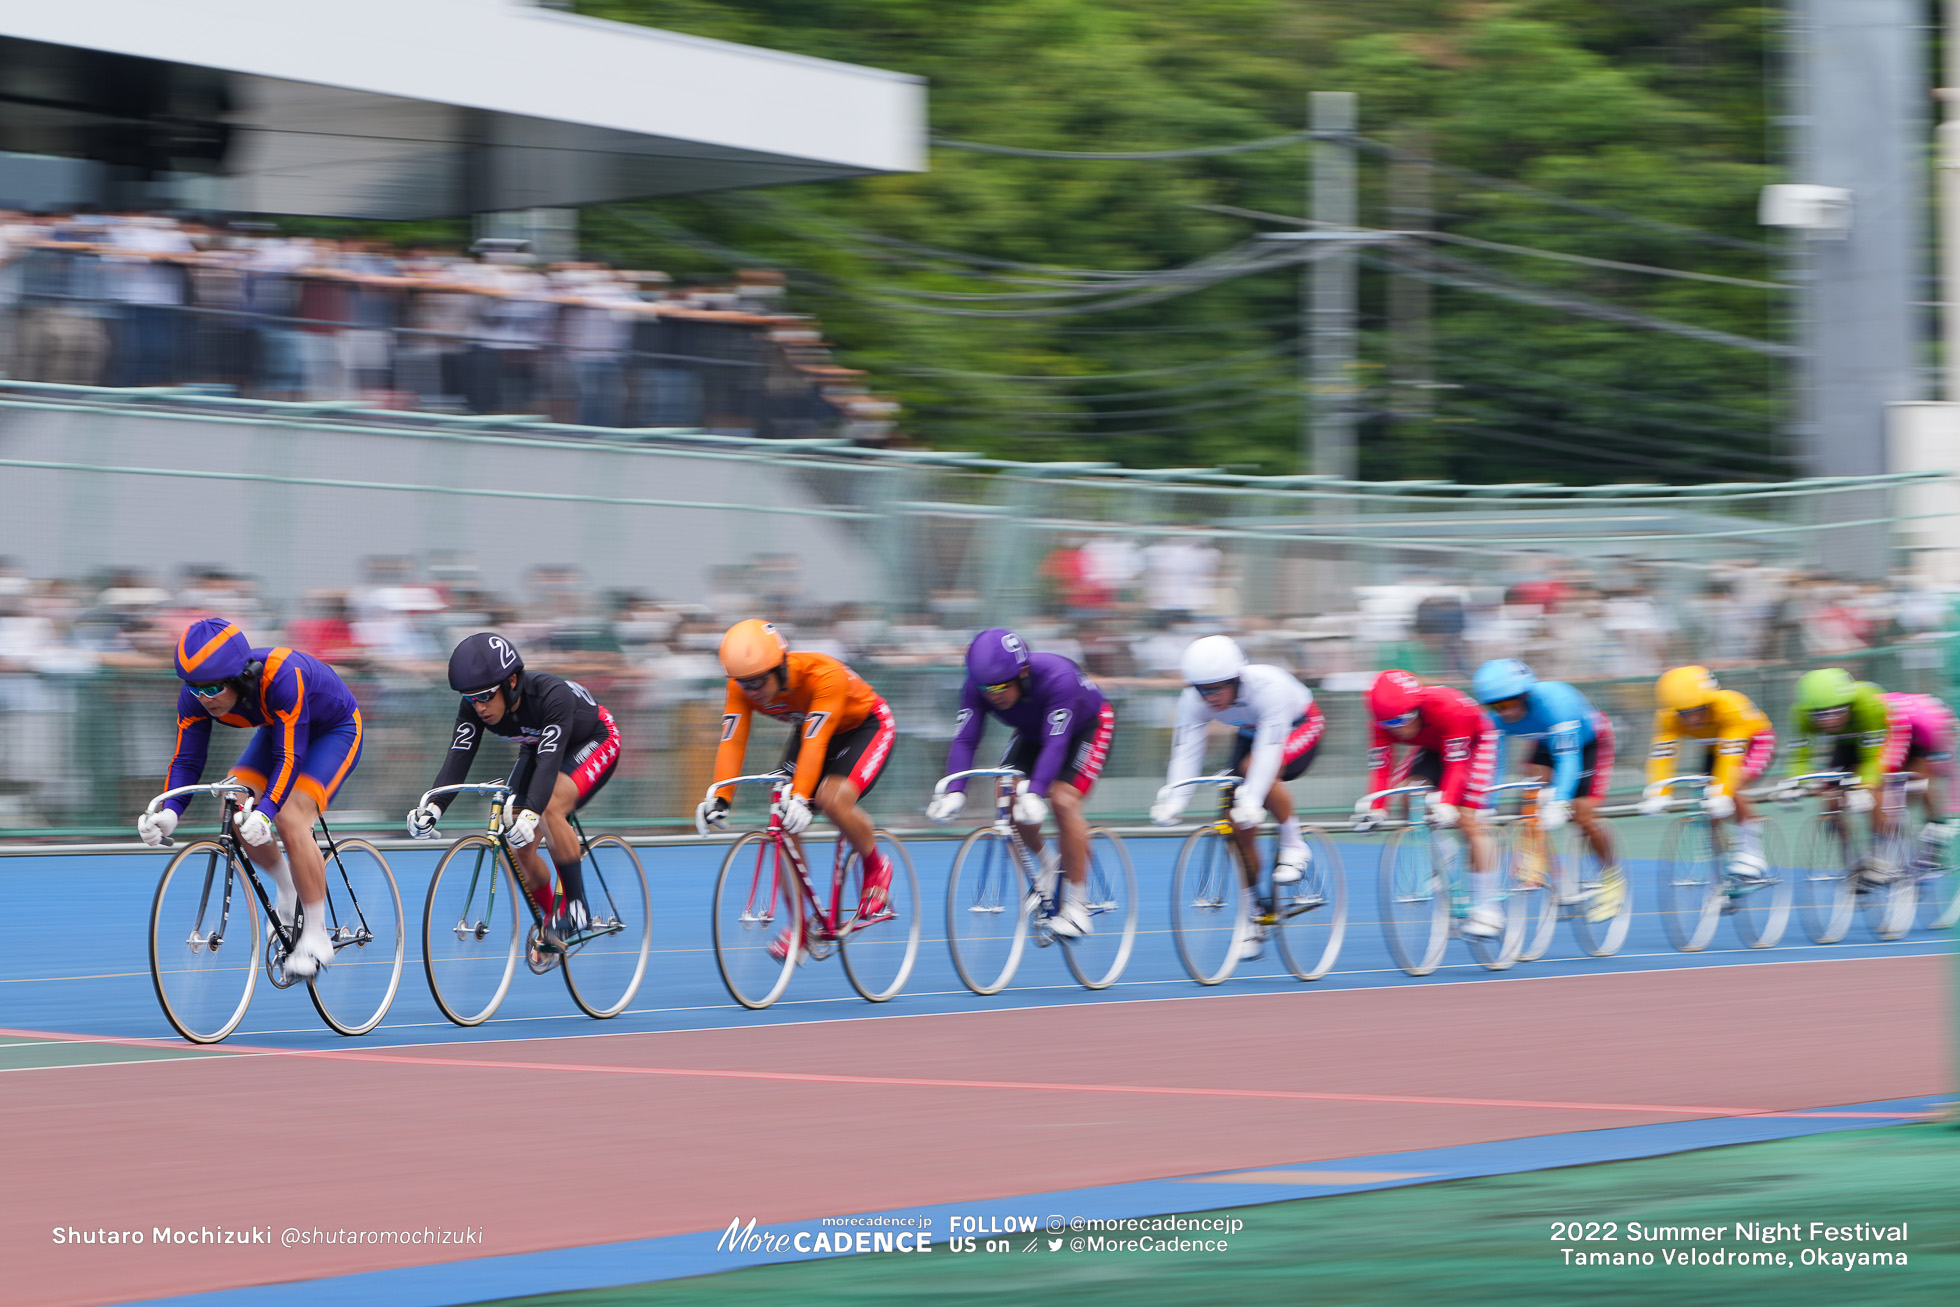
[147,300]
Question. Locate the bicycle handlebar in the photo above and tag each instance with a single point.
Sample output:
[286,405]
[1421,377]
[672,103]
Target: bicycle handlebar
[1667,783]
[940,787]
[761,778]
[227,788]
[1219,778]
[489,789]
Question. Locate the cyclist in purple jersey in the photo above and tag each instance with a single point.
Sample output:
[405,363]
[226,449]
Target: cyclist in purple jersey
[306,740]
[1062,727]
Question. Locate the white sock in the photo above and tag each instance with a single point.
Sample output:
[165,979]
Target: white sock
[1752,837]
[1483,886]
[316,919]
[288,896]
[1289,834]
[1073,893]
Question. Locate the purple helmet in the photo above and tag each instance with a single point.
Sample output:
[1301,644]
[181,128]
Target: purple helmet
[212,650]
[996,657]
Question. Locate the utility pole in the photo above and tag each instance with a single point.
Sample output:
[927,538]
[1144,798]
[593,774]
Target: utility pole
[1412,405]
[1327,293]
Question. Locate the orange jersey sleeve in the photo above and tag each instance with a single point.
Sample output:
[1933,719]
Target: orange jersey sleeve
[735,717]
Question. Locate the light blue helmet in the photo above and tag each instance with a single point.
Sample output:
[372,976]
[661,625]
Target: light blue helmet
[1500,679]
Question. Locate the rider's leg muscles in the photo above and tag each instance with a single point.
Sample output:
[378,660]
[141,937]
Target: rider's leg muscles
[838,797]
[562,839]
[1071,831]
[294,821]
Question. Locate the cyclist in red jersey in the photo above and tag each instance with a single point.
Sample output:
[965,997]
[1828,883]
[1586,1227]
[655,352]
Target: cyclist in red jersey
[1453,747]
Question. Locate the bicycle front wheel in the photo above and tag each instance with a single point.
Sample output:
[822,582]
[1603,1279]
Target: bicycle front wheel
[1691,895]
[1415,902]
[606,963]
[880,947]
[1890,908]
[1939,885]
[1761,908]
[986,911]
[758,921]
[1827,891]
[1209,917]
[364,916]
[1532,875]
[1098,958]
[1311,913]
[470,937]
[1602,902]
[204,942]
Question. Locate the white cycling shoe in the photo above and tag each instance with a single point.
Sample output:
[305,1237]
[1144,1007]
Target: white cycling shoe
[1486,921]
[1748,866]
[1253,946]
[314,950]
[1290,863]
[1071,919]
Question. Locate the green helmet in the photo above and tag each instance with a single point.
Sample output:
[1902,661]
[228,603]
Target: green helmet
[1825,689]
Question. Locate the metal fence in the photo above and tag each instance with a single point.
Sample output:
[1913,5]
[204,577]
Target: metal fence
[893,557]
[80,755]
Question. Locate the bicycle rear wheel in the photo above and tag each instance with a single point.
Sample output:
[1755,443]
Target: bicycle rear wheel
[879,949]
[1492,952]
[1825,878]
[1415,902]
[1312,912]
[364,914]
[1581,869]
[1209,912]
[986,911]
[1761,909]
[1691,895]
[204,942]
[470,935]
[758,907]
[1532,875]
[1098,958]
[605,964]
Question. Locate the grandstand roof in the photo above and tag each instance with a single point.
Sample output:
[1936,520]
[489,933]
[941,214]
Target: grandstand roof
[421,108]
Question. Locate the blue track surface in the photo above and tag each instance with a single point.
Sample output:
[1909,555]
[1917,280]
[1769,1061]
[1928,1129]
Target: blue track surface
[78,959]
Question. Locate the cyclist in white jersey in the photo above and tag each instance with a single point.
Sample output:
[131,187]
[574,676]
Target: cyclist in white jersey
[1279,730]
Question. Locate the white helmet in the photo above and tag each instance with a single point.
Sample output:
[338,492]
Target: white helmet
[1213,659]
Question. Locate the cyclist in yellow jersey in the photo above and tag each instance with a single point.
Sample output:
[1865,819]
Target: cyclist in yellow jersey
[1691,706]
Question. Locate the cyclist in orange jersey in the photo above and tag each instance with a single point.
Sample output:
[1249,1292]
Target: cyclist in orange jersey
[841,735]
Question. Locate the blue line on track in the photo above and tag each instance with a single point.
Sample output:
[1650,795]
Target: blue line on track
[1028,1218]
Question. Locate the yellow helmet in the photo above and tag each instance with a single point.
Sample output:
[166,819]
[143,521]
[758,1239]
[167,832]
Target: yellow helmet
[751,649]
[1684,689]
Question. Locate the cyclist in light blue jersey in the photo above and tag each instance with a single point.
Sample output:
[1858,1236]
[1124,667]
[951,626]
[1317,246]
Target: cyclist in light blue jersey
[1572,756]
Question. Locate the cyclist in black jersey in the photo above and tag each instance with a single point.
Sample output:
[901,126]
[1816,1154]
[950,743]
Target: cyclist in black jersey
[568,747]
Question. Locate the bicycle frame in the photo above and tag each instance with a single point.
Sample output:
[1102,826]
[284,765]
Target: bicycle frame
[234,795]
[825,925]
[500,793]
[1005,781]
[1228,784]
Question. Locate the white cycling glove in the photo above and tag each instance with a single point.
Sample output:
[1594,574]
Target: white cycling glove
[945,807]
[796,815]
[521,832]
[1553,812]
[1443,816]
[1719,806]
[1653,805]
[1858,800]
[1030,809]
[711,814]
[254,827]
[1246,814]
[422,821]
[155,828]
[1169,808]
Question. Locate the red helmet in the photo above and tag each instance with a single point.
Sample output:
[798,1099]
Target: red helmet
[1394,694]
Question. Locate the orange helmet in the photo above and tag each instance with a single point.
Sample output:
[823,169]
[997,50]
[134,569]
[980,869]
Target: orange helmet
[751,649]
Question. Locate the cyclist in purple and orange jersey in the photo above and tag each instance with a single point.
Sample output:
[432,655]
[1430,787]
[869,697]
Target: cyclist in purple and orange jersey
[307,741]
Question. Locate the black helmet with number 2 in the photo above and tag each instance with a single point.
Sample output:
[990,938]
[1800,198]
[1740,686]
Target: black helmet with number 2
[482,662]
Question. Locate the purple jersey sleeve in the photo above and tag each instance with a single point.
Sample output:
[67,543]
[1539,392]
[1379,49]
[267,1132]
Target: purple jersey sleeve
[193,743]
[966,733]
